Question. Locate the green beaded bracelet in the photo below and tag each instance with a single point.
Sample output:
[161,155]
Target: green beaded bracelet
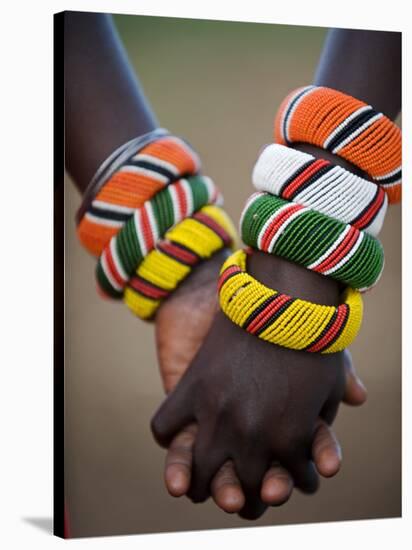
[312,239]
[139,235]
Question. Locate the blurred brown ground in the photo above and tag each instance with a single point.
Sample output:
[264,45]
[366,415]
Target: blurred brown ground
[218,84]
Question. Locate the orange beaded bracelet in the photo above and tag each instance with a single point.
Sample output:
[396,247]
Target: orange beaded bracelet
[147,166]
[347,127]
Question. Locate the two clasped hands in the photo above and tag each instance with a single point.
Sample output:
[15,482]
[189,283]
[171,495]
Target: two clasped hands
[245,422]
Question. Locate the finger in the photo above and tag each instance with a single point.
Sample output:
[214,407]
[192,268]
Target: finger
[174,414]
[277,486]
[209,453]
[178,464]
[226,489]
[326,451]
[330,407]
[304,474]
[355,392]
[253,508]
[250,471]
[329,410]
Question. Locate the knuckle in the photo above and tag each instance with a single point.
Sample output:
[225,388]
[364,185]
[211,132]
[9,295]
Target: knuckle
[179,454]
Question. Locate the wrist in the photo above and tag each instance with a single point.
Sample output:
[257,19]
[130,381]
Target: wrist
[293,279]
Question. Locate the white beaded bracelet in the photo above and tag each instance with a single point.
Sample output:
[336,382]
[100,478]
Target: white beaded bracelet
[322,186]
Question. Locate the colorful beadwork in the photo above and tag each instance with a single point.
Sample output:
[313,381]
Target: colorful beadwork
[283,320]
[139,235]
[347,127]
[187,244]
[145,172]
[322,186]
[309,238]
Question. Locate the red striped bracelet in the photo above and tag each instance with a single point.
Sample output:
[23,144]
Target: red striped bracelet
[322,186]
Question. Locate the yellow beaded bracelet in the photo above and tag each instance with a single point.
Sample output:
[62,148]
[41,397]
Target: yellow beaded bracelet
[283,320]
[185,245]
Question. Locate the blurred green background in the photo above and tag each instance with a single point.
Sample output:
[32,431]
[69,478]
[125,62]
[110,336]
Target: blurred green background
[218,84]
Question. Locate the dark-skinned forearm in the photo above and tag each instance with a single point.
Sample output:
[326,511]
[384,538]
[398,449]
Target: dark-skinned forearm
[104,102]
[364,64]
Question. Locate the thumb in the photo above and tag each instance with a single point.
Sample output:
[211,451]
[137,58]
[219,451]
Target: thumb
[174,413]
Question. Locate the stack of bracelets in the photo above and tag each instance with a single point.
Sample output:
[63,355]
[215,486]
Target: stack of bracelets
[150,218]
[316,214]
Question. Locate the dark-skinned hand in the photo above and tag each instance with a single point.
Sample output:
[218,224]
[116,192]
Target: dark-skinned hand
[317,436]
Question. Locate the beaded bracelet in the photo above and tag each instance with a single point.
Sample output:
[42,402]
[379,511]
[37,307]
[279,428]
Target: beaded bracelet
[187,244]
[283,320]
[309,238]
[138,236]
[347,127]
[131,176]
[322,186]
